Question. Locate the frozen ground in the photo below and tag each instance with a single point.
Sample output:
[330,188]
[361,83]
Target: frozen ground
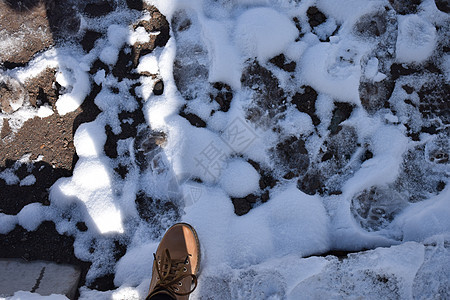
[281,130]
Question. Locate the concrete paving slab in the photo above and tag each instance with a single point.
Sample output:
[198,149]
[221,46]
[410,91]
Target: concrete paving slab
[44,278]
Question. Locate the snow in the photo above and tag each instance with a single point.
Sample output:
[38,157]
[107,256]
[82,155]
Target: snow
[347,11]
[239,178]
[148,63]
[29,180]
[89,139]
[263,254]
[30,216]
[7,223]
[416,39]
[263,32]
[426,218]
[74,77]
[109,55]
[333,69]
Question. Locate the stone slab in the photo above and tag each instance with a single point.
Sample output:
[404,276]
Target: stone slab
[44,278]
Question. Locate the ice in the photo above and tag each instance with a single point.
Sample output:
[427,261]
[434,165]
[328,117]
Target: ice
[139,35]
[371,68]
[263,33]
[416,39]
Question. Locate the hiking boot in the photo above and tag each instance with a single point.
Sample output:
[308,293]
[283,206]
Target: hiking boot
[176,263]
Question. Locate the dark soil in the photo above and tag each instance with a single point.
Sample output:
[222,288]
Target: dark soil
[24,25]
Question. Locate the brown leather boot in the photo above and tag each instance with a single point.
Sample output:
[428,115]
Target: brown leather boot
[176,263]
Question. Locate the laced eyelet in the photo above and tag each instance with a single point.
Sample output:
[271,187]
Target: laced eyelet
[184,269]
[180,283]
[187,262]
[177,289]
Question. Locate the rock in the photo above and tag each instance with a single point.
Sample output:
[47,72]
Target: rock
[306,102]
[443,5]
[424,170]
[341,112]
[292,155]
[222,94]
[191,64]
[434,100]
[311,183]
[405,7]
[241,206]
[193,119]
[372,25]
[89,39]
[158,88]
[280,62]
[315,16]
[374,95]
[269,100]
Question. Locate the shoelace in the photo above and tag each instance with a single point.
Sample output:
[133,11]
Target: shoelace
[170,273]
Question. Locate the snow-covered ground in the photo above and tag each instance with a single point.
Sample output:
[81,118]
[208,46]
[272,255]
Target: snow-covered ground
[378,189]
